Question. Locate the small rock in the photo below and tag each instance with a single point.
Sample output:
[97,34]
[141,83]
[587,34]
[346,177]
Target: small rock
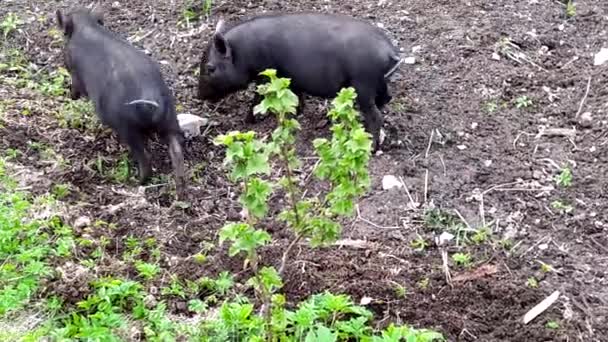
[586,120]
[495,56]
[365,301]
[474,125]
[191,124]
[382,3]
[410,60]
[82,222]
[416,48]
[592,149]
[390,181]
[150,301]
[461,147]
[487,163]
[445,237]
[601,57]
[380,25]
[543,246]
[561,27]
[116,4]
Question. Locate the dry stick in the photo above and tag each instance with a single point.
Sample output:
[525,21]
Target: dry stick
[407,192]
[359,217]
[580,107]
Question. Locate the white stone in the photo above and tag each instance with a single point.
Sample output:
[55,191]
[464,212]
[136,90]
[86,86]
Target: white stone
[416,48]
[191,124]
[445,237]
[487,163]
[390,181]
[410,60]
[601,57]
[82,222]
[495,56]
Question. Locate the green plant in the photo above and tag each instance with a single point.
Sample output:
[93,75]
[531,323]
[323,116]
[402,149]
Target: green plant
[545,268]
[423,283]
[523,102]
[10,24]
[60,191]
[439,220]
[146,270]
[54,83]
[532,283]
[481,235]
[491,106]
[462,259]
[78,114]
[552,325]
[564,179]
[12,153]
[561,207]
[419,243]
[570,9]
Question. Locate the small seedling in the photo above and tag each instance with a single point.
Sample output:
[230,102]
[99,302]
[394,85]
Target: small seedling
[481,235]
[423,283]
[10,24]
[553,325]
[523,102]
[545,268]
[197,305]
[400,291]
[564,179]
[560,206]
[419,244]
[570,9]
[491,106]
[199,258]
[12,153]
[532,283]
[146,270]
[60,191]
[462,259]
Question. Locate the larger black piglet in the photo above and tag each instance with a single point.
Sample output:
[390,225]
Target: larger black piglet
[126,87]
[321,53]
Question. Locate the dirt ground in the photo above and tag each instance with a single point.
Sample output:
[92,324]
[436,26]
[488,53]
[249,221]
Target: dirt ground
[454,134]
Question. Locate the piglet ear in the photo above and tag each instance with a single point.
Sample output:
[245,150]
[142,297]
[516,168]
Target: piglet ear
[65,23]
[222,46]
[97,13]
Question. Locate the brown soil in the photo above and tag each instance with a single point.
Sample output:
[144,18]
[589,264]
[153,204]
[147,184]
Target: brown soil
[444,96]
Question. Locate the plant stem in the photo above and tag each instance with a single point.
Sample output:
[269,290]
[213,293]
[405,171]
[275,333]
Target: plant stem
[287,251]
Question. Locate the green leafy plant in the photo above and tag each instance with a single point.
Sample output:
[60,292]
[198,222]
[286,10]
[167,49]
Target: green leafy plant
[564,179]
[523,102]
[532,283]
[60,191]
[561,207]
[462,259]
[552,325]
[10,24]
[570,9]
[545,268]
[419,244]
[78,114]
[146,270]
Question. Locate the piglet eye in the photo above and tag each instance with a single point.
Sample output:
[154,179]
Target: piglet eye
[210,68]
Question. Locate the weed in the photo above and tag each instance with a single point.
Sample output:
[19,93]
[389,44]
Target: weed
[61,191]
[12,153]
[491,106]
[423,283]
[532,283]
[545,268]
[199,258]
[523,102]
[438,220]
[462,259]
[10,24]
[570,9]
[54,83]
[552,325]
[482,235]
[78,114]
[564,179]
[146,270]
[419,244]
[175,288]
[400,291]
[561,207]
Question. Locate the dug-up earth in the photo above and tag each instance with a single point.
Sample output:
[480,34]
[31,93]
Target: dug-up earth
[501,101]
